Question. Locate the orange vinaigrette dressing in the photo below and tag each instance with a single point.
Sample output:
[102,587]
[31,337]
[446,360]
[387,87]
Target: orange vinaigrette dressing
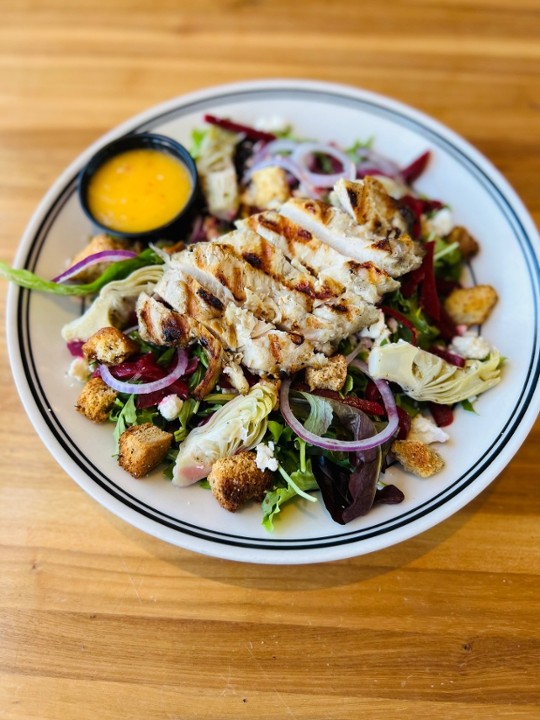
[139,190]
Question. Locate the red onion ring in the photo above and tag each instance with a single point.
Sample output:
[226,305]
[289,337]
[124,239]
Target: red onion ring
[374,161]
[276,161]
[272,148]
[131,388]
[344,445]
[94,259]
[320,179]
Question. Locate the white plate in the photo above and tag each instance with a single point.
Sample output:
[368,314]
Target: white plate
[481,445]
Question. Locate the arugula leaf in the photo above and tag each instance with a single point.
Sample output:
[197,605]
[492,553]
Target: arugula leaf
[410,308]
[283,493]
[125,418]
[189,409]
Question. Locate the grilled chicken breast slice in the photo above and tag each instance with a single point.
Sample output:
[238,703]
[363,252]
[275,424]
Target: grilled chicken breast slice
[260,347]
[333,269]
[369,204]
[395,253]
[267,294]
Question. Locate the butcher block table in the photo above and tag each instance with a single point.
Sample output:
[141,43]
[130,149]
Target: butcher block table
[98,619]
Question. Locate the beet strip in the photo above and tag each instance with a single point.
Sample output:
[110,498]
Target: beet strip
[442,414]
[413,171]
[403,320]
[428,292]
[249,132]
[368,406]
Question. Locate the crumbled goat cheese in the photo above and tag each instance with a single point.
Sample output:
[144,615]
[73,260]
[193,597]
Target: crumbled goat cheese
[425,431]
[378,331]
[79,369]
[170,407]
[441,223]
[272,124]
[265,457]
[471,346]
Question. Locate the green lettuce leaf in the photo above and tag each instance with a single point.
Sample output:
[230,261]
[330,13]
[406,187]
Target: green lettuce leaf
[115,271]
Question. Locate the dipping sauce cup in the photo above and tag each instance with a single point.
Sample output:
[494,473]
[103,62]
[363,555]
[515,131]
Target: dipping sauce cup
[139,186]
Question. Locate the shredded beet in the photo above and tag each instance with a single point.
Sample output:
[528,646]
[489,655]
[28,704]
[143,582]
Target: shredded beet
[368,406]
[179,387]
[428,291]
[411,281]
[445,287]
[404,424]
[372,392]
[450,357]
[416,207]
[144,368]
[75,347]
[248,131]
[443,415]
[402,320]
[446,326]
[413,171]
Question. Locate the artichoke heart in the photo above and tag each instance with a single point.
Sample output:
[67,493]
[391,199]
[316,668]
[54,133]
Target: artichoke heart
[425,376]
[114,304]
[238,425]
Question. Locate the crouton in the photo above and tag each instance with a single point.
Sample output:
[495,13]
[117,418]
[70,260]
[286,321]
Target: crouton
[96,400]
[417,458]
[109,346]
[98,243]
[268,189]
[471,306]
[235,480]
[142,448]
[330,377]
[468,246]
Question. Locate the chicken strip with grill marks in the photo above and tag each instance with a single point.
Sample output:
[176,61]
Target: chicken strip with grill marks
[389,248]
[309,254]
[162,326]
[258,345]
[272,298]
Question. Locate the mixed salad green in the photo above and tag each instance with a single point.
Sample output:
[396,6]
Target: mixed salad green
[404,368]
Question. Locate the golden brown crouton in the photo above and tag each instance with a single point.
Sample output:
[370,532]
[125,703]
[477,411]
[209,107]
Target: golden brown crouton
[98,243]
[235,480]
[268,189]
[468,246]
[96,400]
[109,346]
[142,448]
[471,306]
[330,377]
[417,457]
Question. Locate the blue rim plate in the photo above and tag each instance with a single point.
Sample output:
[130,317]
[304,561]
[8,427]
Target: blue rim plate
[481,444]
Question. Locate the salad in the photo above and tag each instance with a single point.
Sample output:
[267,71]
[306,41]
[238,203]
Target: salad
[309,330]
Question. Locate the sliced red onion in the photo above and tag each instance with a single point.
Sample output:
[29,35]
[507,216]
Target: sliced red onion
[304,150]
[131,388]
[343,445]
[272,148]
[276,161]
[356,351]
[374,162]
[94,259]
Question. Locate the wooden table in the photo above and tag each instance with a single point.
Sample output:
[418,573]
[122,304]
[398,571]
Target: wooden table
[98,620]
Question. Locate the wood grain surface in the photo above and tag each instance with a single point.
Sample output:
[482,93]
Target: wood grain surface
[98,620]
